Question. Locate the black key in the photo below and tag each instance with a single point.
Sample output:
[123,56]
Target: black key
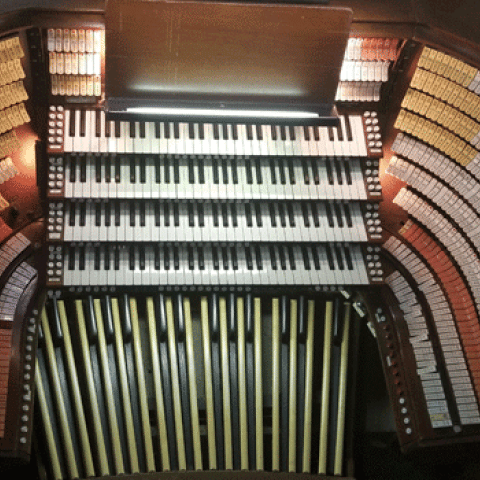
[117,129]
[249,132]
[328,209]
[166,214]
[331,264]
[337,330]
[225,215]
[131,128]
[348,128]
[331,135]
[201,172]
[83,169]
[166,257]
[233,208]
[166,129]
[225,131]
[71,221]
[258,257]
[348,257]
[132,214]
[248,214]
[131,257]
[96,258]
[281,255]
[273,257]
[316,133]
[106,258]
[258,215]
[248,168]
[81,258]
[281,167]
[283,133]
[157,213]
[215,214]
[291,216]
[315,215]
[235,131]
[273,217]
[157,172]
[191,215]
[340,132]
[116,258]
[156,253]
[83,213]
[98,214]
[201,131]
[216,179]
[132,170]
[348,215]
[108,169]
[117,169]
[348,172]
[117,214]
[176,215]
[306,133]
[291,173]
[98,126]
[201,258]
[306,258]
[201,215]
[316,173]
[157,129]
[191,131]
[306,173]
[191,262]
[71,257]
[224,258]
[73,168]
[338,213]
[291,131]
[316,260]
[176,131]
[338,253]
[216,263]
[143,215]
[233,255]
[306,219]
[191,172]
[248,258]
[166,166]
[281,213]
[234,172]
[339,173]
[143,170]
[291,257]
[329,171]
[224,172]
[216,133]
[272,172]
[259,132]
[71,124]
[176,258]
[82,123]
[108,132]
[176,173]
[142,129]
[273,132]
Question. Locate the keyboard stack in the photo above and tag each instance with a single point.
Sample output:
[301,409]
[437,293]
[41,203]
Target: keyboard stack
[177,205]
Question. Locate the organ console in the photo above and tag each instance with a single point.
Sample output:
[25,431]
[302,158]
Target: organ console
[189,296]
